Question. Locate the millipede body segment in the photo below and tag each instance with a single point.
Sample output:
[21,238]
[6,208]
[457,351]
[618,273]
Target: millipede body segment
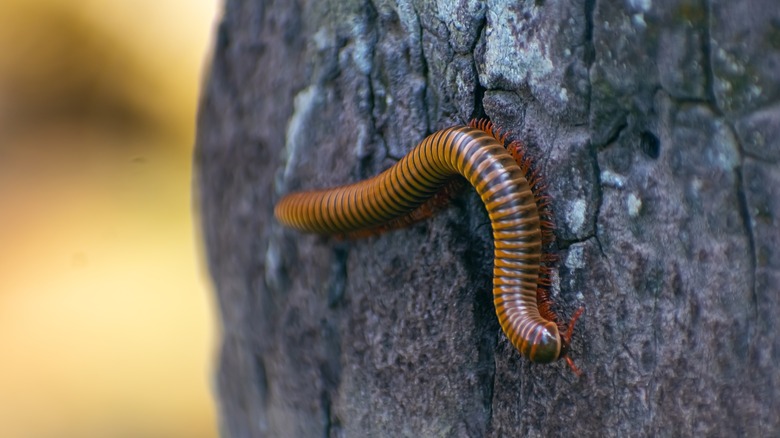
[477,153]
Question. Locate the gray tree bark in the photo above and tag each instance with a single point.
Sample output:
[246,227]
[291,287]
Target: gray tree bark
[657,127]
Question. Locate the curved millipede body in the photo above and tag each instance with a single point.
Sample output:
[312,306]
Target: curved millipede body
[477,153]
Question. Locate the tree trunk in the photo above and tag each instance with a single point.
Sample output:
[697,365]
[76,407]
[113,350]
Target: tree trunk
[656,126]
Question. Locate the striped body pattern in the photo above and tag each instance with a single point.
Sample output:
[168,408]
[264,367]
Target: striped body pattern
[477,153]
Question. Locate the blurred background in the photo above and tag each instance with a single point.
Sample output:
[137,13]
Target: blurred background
[107,325]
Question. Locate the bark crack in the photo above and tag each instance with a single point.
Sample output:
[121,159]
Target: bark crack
[590,47]
[478,111]
[744,212]
[598,194]
[424,70]
[372,15]
[709,74]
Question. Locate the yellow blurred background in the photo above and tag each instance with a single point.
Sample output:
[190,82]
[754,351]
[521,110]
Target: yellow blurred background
[107,325]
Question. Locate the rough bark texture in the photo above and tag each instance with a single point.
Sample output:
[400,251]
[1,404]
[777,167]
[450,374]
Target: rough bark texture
[657,126]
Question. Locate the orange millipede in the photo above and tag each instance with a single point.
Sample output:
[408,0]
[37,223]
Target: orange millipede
[414,187]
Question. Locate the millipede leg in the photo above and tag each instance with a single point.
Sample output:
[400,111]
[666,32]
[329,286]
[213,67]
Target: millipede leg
[567,339]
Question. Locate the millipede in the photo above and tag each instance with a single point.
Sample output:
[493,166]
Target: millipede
[421,182]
